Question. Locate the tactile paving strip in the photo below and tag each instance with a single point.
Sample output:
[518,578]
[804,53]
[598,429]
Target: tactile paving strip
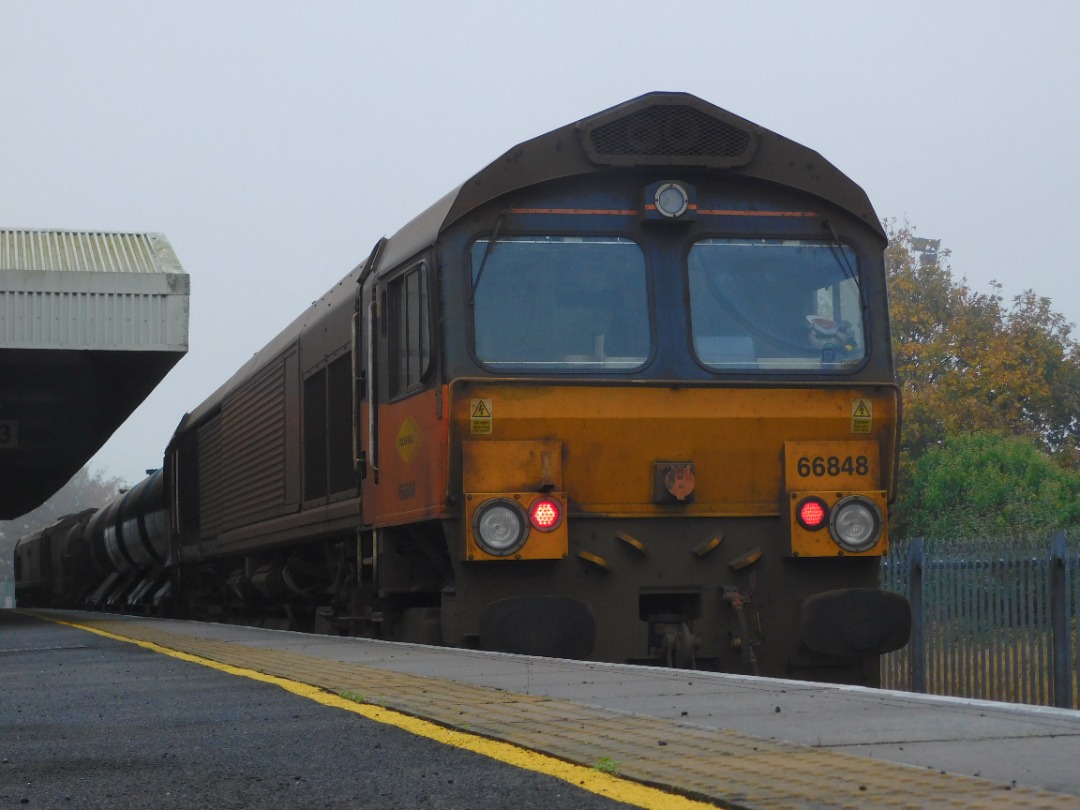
[732,770]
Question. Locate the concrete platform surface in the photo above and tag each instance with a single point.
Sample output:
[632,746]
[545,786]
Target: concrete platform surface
[977,753]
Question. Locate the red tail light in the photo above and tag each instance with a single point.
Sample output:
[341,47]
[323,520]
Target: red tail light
[812,513]
[545,514]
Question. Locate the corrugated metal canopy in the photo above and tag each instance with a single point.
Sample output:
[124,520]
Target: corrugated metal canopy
[90,323]
[87,252]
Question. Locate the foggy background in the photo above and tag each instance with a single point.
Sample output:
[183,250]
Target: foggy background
[274,143]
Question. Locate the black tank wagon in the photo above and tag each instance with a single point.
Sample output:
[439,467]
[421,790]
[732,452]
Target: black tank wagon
[625,394]
[53,566]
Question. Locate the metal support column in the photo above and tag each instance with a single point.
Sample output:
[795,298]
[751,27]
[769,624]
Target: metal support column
[917,645]
[1059,618]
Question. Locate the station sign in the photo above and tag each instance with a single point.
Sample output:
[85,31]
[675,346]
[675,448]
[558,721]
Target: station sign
[9,434]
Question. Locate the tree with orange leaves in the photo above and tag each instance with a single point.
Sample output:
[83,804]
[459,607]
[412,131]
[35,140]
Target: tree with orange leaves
[970,363]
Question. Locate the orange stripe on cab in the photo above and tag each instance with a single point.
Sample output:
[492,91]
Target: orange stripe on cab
[588,211]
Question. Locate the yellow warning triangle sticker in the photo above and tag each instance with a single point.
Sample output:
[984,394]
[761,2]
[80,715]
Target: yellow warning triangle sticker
[481,410]
[862,410]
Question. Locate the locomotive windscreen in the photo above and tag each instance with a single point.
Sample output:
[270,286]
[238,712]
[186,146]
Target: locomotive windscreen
[776,305]
[573,303]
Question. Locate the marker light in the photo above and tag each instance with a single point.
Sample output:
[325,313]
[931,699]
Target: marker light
[501,527]
[671,200]
[811,513]
[545,514]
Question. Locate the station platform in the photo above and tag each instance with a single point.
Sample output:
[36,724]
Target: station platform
[725,740]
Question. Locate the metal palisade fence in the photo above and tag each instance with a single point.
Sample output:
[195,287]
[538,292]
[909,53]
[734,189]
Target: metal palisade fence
[991,618]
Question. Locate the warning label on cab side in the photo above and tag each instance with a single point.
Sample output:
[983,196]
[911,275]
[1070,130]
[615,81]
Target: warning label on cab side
[480,416]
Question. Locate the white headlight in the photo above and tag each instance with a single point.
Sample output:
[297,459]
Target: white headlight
[856,523]
[501,527]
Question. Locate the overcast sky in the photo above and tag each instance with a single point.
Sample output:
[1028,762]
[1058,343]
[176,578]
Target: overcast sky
[275,142]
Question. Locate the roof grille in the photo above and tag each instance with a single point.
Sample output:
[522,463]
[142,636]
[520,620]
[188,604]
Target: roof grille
[671,134]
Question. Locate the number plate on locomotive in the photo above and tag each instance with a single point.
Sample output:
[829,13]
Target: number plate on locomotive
[832,465]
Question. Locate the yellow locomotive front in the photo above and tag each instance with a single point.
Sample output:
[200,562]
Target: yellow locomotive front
[664,524]
[636,403]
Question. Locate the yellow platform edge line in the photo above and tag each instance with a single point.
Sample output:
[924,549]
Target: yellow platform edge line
[591,779]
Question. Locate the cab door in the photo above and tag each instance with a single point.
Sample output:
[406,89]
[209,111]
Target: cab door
[406,483]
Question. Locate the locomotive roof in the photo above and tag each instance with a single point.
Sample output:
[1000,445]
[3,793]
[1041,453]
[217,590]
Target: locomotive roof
[655,129]
[341,294]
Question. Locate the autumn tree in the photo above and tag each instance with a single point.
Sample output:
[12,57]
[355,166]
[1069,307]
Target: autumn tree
[970,363]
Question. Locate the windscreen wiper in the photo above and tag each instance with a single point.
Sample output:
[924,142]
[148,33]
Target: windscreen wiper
[842,259]
[490,247]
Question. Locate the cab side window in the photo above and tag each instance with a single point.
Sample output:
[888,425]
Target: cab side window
[408,331]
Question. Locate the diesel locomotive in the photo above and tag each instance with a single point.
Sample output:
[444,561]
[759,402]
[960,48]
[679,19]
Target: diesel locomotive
[626,394]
